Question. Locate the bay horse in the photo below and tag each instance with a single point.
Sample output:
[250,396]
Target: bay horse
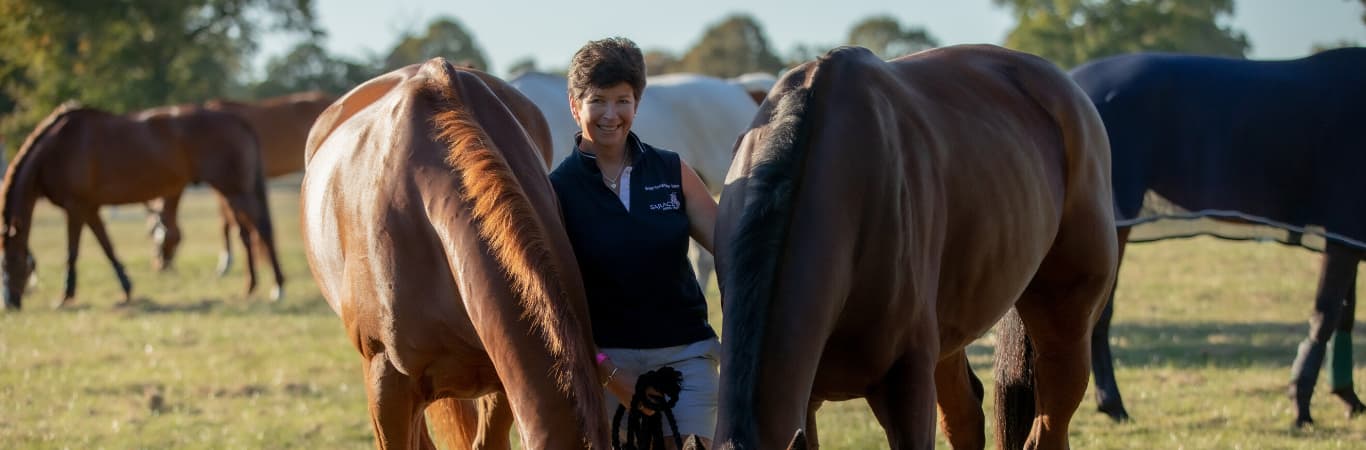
[879,216]
[80,158]
[281,125]
[433,232]
[1242,149]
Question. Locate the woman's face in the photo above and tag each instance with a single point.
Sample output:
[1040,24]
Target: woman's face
[604,115]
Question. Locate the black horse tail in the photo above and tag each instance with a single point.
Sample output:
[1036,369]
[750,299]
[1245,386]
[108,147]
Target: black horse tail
[1014,383]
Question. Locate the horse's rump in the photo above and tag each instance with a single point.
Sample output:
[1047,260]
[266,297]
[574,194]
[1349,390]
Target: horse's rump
[880,214]
[281,125]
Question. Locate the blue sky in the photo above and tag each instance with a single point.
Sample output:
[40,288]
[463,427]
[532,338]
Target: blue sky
[550,31]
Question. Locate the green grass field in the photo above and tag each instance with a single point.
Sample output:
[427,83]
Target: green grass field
[1204,334]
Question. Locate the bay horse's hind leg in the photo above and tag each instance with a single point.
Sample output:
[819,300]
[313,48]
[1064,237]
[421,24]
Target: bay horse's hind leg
[239,211]
[1058,310]
[97,227]
[166,232]
[960,402]
[253,220]
[229,221]
[1108,399]
[395,410]
[1340,372]
[1335,284]
[903,401]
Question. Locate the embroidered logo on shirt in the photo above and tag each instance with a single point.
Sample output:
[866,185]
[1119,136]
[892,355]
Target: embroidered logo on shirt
[661,186]
[670,205]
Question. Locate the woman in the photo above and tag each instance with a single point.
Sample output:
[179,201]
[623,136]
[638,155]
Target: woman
[629,209]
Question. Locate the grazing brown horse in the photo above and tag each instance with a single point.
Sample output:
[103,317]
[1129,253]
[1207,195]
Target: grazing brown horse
[81,158]
[281,125]
[879,216]
[434,233]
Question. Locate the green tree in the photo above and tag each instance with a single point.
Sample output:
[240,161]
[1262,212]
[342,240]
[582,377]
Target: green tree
[1071,32]
[525,64]
[445,38]
[886,38]
[658,62]
[129,54]
[307,67]
[735,46]
[803,52]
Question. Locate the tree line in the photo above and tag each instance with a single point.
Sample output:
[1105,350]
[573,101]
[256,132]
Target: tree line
[134,54]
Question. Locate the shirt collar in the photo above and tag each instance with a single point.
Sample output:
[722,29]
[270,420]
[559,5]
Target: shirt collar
[589,160]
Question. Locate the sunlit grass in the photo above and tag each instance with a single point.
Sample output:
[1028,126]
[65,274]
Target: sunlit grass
[1204,334]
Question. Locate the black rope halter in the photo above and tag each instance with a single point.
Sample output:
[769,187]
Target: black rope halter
[656,390]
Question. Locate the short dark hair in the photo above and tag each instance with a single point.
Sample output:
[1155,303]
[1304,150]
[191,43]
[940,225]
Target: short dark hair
[604,63]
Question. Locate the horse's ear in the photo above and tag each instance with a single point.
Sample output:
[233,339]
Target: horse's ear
[693,443]
[798,441]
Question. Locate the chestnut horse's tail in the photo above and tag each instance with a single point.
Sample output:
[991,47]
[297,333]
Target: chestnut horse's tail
[519,237]
[1014,383]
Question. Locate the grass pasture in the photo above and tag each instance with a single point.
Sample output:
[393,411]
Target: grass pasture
[1205,332]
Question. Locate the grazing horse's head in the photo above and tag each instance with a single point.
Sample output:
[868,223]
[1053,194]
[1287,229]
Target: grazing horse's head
[15,267]
[18,193]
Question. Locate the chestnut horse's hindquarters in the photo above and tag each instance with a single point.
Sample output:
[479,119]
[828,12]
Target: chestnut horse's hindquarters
[432,231]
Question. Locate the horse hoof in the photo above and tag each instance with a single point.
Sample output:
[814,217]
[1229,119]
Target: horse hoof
[277,293]
[1117,413]
[1349,397]
[224,264]
[64,303]
[1302,422]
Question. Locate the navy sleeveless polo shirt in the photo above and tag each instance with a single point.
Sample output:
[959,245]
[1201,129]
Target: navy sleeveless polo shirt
[642,292]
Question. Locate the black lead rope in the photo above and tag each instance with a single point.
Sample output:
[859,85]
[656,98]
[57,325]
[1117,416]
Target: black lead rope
[646,432]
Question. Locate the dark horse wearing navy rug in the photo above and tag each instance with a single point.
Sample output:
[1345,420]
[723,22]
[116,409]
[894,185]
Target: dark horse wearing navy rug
[1278,147]
[880,216]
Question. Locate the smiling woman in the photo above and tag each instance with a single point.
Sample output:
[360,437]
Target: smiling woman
[629,209]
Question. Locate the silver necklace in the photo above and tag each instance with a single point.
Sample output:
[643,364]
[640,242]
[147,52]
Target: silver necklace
[612,182]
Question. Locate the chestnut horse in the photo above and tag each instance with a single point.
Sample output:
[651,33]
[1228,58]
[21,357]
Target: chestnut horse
[281,125]
[81,158]
[879,216]
[433,232]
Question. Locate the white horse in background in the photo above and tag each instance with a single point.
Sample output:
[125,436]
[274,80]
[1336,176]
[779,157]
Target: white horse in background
[697,116]
[757,84]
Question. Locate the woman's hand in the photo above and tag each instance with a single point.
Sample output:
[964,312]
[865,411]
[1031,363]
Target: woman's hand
[622,383]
